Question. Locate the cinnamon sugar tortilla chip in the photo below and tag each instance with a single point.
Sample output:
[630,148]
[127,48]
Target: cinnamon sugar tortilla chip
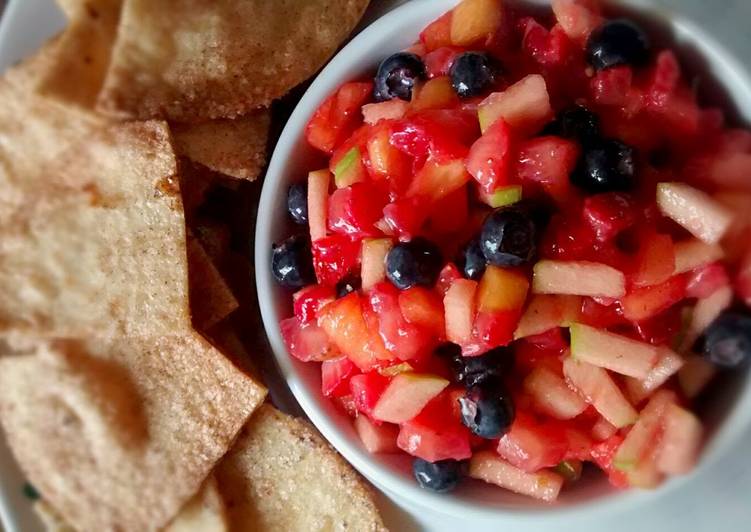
[281,475]
[120,434]
[205,512]
[211,300]
[192,60]
[92,236]
[235,147]
[81,59]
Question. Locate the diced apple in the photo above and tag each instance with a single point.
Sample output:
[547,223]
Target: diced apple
[546,312]
[349,169]
[575,18]
[377,438]
[373,261]
[705,312]
[655,261]
[532,446]
[435,181]
[612,351]
[645,302]
[580,278]
[681,441]
[503,196]
[436,93]
[691,254]
[396,369]
[394,109]
[406,396]
[460,308]
[643,435]
[598,388]
[318,196]
[525,105]
[645,475]
[695,374]
[667,365]
[552,396]
[502,289]
[603,429]
[423,307]
[697,212]
[488,466]
[474,20]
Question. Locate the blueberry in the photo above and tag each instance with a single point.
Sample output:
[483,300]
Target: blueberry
[617,42]
[727,341]
[508,237]
[605,166]
[487,409]
[495,364]
[292,262]
[297,203]
[350,283]
[473,72]
[397,75]
[417,262]
[441,477]
[473,261]
[576,123]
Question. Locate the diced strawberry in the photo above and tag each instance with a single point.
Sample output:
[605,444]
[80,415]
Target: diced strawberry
[547,162]
[337,116]
[366,389]
[335,375]
[405,217]
[655,261]
[743,280]
[384,161]
[662,328]
[438,33]
[423,308]
[643,303]
[532,446]
[609,214]
[449,214]
[355,209]
[601,316]
[311,298]
[492,329]
[490,158]
[435,434]
[443,134]
[549,48]
[377,438]
[705,280]
[334,257]
[306,341]
[373,113]
[602,455]
[542,350]
[439,61]
[612,86]
[577,17]
[448,275]
[673,102]
[568,238]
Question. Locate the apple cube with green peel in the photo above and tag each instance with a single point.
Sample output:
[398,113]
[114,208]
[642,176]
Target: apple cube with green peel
[612,351]
[579,278]
[318,197]
[545,312]
[570,470]
[489,467]
[668,364]
[692,253]
[695,374]
[406,396]
[707,309]
[373,261]
[697,212]
[524,106]
[552,396]
[645,475]
[681,441]
[643,435]
[377,438]
[600,391]
[460,304]
[502,196]
[348,170]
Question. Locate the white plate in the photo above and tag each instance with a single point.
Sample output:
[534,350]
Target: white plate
[716,499]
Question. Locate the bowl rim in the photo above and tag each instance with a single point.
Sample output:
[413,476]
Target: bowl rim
[732,428]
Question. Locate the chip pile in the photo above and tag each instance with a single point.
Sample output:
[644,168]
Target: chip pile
[125,394]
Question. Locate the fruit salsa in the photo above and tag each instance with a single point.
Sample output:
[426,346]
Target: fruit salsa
[527,252]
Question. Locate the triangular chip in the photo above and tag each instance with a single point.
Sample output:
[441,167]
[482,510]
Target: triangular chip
[119,434]
[281,475]
[205,512]
[193,60]
[235,148]
[80,61]
[211,300]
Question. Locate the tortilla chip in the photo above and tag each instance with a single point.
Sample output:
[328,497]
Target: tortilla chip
[83,55]
[205,512]
[25,74]
[51,519]
[235,148]
[211,300]
[281,475]
[193,60]
[120,434]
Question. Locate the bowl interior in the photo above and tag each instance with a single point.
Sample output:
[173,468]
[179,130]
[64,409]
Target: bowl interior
[727,409]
